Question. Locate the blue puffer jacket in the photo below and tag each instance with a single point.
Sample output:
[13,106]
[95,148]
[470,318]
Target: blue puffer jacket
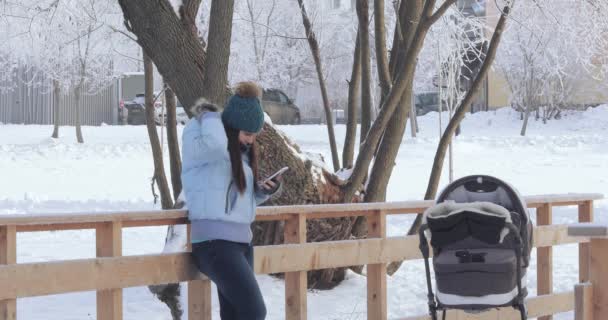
[210,191]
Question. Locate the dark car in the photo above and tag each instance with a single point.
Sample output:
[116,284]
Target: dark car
[426,102]
[280,108]
[135,109]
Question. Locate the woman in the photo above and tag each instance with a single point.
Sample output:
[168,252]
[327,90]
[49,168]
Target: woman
[220,178]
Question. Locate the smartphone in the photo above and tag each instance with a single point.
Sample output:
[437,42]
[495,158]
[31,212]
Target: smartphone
[276,174]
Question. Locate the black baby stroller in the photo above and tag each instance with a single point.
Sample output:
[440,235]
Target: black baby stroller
[481,235]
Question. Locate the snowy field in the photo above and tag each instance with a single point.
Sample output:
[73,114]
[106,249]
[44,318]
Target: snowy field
[112,171]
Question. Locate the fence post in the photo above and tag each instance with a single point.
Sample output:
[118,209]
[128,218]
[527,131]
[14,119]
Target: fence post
[585,214]
[544,256]
[599,277]
[8,255]
[598,263]
[199,293]
[109,244]
[583,301]
[376,273]
[295,282]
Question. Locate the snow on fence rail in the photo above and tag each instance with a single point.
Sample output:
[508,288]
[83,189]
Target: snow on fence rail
[110,271]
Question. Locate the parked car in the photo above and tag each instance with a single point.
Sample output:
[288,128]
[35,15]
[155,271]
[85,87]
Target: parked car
[280,108]
[426,102]
[134,111]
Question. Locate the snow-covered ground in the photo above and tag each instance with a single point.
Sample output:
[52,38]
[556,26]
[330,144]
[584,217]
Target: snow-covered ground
[112,171]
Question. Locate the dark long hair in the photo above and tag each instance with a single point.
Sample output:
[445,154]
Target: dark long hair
[236,160]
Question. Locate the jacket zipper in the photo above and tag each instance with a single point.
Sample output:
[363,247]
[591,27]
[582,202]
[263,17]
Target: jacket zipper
[228,198]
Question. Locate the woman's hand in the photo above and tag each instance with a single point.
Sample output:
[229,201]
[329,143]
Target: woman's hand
[271,186]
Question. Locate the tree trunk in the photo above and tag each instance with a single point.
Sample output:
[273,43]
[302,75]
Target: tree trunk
[159,170]
[77,92]
[218,52]
[316,55]
[404,73]
[381,55]
[348,152]
[56,97]
[175,161]
[387,154]
[526,118]
[304,183]
[412,113]
[366,95]
[387,150]
[392,110]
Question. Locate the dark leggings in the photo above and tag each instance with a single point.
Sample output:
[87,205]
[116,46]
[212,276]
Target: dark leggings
[230,266]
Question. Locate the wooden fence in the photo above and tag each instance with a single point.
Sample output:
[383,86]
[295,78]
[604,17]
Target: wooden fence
[110,271]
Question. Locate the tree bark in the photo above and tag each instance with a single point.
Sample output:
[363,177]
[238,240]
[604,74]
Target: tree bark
[316,55]
[218,52]
[300,187]
[526,118]
[56,97]
[412,112]
[381,54]
[348,152]
[366,95]
[387,153]
[175,161]
[77,92]
[159,170]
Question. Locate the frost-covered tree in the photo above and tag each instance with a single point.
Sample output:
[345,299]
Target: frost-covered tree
[549,51]
[71,42]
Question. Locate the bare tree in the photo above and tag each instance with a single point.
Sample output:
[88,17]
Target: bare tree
[159,176]
[259,50]
[348,152]
[82,63]
[56,97]
[366,95]
[314,48]
[381,52]
[175,161]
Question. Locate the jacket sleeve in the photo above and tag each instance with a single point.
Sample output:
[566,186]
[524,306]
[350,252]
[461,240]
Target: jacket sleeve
[205,140]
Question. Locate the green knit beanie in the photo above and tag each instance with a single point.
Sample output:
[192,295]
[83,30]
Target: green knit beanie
[243,110]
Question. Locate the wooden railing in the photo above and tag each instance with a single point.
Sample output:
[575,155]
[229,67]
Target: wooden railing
[110,271]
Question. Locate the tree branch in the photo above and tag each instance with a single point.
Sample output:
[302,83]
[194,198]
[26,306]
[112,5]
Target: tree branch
[188,11]
[316,55]
[123,33]
[459,114]
[275,33]
[440,12]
